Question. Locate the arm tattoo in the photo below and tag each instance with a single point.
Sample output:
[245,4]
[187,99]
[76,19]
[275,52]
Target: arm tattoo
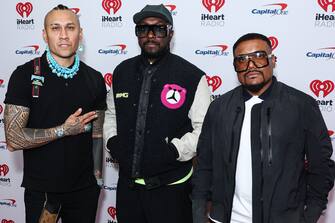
[98,124]
[18,136]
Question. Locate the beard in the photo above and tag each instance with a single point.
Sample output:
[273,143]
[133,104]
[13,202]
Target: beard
[254,88]
[154,54]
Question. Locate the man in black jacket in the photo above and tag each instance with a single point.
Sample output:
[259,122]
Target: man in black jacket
[154,117]
[264,151]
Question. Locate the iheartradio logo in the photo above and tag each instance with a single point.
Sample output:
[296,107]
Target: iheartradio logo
[330,132]
[274,42]
[214,82]
[108,79]
[210,4]
[24,9]
[112,212]
[326,87]
[4,169]
[7,221]
[325,4]
[109,5]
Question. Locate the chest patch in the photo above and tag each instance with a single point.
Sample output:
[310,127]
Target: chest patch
[173,96]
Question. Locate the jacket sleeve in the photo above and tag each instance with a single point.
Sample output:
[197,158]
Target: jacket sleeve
[109,128]
[202,177]
[186,145]
[320,172]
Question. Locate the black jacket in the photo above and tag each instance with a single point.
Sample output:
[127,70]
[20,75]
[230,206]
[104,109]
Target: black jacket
[161,125]
[284,190]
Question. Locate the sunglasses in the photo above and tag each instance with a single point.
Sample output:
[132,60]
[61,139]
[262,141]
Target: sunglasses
[259,58]
[159,31]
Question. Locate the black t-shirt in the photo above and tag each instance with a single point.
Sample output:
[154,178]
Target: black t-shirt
[65,164]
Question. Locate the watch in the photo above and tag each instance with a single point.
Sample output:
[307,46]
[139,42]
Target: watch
[59,131]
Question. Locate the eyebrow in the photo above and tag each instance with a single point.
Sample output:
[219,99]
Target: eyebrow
[58,24]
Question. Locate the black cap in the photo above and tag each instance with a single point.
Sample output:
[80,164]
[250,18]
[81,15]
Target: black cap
[159,11]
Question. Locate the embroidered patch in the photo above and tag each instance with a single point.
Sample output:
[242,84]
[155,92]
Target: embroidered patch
[122,95]
[173,96]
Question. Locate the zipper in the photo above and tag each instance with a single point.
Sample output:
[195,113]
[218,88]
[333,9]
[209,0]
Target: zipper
[232,144]
[262,177]
[268,113]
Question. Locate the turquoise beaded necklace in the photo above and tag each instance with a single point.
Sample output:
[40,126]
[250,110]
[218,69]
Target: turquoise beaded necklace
[60,71]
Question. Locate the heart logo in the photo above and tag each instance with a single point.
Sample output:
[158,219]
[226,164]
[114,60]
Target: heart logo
[215,82]
[4,169]
[210,3]
[112,212]
[7,221]
[108,79]
[325,3]
[111,4]
[330,132]
[1,109]
[22,8]
[326,87]
[274,42]
[1,81]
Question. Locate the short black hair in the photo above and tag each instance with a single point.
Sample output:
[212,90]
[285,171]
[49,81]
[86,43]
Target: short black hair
[251,36]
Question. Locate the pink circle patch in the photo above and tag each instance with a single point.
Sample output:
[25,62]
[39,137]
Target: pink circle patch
[173,96]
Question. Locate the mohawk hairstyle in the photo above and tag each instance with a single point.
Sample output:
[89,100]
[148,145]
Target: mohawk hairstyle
[61,7]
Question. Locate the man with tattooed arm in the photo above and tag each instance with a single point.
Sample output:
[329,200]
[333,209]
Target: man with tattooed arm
[54,112]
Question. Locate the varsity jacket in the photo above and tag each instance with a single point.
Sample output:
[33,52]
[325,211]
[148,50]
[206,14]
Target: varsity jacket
[154,117]
[285,188]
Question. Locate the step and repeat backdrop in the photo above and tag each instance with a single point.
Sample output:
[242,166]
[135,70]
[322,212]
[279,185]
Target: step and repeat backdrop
[301,32]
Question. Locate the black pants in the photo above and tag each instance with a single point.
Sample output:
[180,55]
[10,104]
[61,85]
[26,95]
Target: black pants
[166,204]
[77,206]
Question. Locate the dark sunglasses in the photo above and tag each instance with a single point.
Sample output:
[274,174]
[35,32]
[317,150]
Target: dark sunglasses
[159,31]
[259,58]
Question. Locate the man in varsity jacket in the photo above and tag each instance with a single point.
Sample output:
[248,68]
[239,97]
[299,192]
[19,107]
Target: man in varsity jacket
[155,112]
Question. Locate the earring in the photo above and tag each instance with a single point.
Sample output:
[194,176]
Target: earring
[81,48]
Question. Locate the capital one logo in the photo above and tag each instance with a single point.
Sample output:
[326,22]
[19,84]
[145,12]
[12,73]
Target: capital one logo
[171,8]
[75,10]
[214,82]
[109,5]
[274,42]
[283,6]
[108,79]
[4,169]
[24,9]
[326,87]
[210,4]
[112,212]
[7,221]
[326,3]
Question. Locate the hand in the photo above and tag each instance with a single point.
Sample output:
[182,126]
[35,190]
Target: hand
[98,177]
[75,123]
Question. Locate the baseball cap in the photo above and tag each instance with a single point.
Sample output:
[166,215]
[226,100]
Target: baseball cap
[159,11]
